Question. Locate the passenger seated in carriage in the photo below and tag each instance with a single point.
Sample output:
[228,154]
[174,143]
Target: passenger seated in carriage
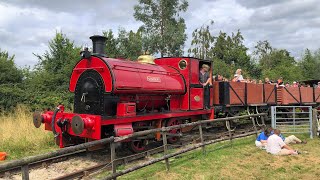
[238,77]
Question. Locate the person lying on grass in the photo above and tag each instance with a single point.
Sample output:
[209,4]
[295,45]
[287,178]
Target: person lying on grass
[292,139]
[261,140]
[276,146]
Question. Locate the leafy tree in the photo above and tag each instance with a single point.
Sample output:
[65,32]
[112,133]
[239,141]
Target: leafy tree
[127,45]
[275,63]
[163,28]
[9,73]
[49,82]
[111,44]
[11,77]
[202,42]
[263,48]
[232,51]
[130,44]
[310,65]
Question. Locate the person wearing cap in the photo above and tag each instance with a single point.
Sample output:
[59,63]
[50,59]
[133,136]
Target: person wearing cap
[295,84]
[238,77]
[204,79]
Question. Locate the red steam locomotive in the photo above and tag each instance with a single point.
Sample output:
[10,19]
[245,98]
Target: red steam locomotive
[114,97]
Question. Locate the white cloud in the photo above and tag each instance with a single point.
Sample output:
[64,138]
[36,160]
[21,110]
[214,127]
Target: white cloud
[27,26]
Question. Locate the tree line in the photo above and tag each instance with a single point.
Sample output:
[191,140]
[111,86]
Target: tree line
[163,33]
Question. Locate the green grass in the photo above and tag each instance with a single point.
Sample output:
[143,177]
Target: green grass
[241,160]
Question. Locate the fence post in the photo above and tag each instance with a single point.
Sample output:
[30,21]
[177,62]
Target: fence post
[254,126]
[164,139]
[201,138]
[113,157]
[314,122]
[229,130]
[25,172]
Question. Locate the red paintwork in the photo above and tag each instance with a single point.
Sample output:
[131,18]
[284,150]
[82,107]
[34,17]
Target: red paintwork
[94,63]
[92,124]
[194,72]
[174,62]
[121,76]
[123,129]
[154,116]
[196,98]
[126,109]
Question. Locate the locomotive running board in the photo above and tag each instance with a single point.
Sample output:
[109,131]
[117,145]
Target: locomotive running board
[149,117]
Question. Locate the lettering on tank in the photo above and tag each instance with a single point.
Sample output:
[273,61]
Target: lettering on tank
[153,79]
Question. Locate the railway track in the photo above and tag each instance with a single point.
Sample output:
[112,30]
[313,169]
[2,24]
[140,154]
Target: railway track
[125,157]
[43,163]
[190,138]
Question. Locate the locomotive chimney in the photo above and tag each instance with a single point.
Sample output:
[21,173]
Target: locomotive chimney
[98,44]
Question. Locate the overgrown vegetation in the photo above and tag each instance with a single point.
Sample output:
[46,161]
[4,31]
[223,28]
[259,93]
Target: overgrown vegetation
[237,161]
[19,137]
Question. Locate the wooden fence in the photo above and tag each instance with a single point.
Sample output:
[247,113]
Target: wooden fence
[25,162]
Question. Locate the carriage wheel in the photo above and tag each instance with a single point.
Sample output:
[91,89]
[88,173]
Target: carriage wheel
[173,122]
[233,123]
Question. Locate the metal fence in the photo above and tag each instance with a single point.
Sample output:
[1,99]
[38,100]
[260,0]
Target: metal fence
[292,119]
[316,117]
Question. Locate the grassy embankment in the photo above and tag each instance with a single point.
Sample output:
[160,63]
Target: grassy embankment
[242,160]
[19,138]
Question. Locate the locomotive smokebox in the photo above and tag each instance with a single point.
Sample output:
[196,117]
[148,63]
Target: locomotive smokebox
[99,44]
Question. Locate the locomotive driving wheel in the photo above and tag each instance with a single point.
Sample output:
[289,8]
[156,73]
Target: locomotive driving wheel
[138,145]
[173,122]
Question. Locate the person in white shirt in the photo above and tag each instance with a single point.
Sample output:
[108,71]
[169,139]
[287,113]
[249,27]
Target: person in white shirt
[238,77]
[276,146]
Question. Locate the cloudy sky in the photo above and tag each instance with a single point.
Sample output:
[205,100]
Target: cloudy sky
[26,26]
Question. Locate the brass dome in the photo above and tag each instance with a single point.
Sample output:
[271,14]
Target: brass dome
[146,59]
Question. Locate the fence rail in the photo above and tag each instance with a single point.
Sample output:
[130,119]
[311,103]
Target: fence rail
[25,162]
